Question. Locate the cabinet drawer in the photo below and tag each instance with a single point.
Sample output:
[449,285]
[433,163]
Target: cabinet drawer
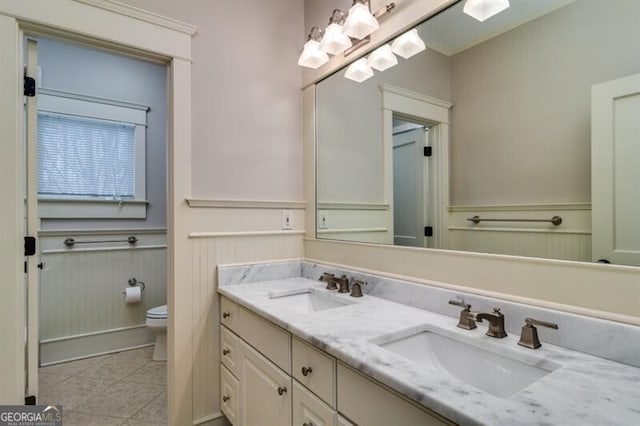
[230,350]
[229,313]
[229,395]
[319,374]
[269,339]
[308,409]
[368,403]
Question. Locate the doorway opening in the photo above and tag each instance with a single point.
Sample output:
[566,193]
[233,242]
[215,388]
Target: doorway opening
[97,190]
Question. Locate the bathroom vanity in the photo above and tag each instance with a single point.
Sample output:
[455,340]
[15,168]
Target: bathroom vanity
[294,353]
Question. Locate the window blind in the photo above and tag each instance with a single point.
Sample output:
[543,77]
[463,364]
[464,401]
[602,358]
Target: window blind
[82,157]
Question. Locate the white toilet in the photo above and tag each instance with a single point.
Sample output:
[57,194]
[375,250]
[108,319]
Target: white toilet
[157,322]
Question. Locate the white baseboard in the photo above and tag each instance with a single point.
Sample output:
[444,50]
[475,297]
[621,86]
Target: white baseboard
[54,351]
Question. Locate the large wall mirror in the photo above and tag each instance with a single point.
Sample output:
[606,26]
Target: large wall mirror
[512,110]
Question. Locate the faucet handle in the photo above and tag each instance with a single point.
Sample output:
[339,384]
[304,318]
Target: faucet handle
[529,334]
[343,283]
[330,279]
[466,320]
[461,303]
[356,288]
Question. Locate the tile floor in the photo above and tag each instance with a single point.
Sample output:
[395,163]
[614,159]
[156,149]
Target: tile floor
[126,388]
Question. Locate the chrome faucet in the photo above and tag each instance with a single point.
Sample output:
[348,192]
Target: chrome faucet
[495,320]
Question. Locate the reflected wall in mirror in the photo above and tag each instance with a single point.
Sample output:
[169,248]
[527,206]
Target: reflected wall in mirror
[512,108]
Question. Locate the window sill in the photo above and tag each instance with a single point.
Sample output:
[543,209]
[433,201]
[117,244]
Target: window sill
[49,208]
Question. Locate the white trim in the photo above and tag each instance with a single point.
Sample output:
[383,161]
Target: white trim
[520,207]
[520,230]
[75,250]
[49,208]
[91,99]
[243,234]
[352,206]
[350,230]
[65,232]
[142,15]
[405,93]
[245,204]
[68,348]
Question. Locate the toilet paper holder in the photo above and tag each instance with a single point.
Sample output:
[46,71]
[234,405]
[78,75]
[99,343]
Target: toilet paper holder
[133,282]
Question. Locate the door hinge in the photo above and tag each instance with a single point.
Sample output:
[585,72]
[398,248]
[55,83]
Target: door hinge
[427,151]
[30,400]
[29,246]
[428,231]
[29,86]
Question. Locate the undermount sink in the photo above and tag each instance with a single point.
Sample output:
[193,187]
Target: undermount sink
[307,300]
[499,375]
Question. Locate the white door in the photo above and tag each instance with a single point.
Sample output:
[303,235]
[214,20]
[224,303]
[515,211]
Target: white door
[409,188]
[32,228]
[615,171]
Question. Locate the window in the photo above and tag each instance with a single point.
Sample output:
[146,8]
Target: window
[91,157]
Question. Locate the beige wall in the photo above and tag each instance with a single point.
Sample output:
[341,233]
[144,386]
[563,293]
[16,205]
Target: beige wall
[246,99]
[540,118]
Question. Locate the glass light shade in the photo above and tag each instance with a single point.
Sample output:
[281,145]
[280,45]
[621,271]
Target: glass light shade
[312,56]
[360,22]
[382,58]
[334,40]
[359,71]
[484,9]
[408,44]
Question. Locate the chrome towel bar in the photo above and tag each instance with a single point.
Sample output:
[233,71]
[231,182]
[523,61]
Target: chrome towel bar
[556,220]
[70,242]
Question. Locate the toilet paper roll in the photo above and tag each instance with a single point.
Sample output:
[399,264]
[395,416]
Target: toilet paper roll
[132,294]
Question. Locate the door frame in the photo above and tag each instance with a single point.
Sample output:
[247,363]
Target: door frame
[124,29]
[435,113]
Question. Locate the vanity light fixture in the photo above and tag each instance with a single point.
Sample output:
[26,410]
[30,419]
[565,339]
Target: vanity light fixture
[312,56]
[484,9]
[360,22]
[359,71]
[408,44]
[335,41]
[382,58]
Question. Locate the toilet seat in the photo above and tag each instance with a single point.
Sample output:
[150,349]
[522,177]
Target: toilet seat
[159,312]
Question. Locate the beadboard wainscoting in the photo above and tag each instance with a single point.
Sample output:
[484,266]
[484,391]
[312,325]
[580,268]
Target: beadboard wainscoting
[82,310]
[226,232]
[364,222]
[571,240]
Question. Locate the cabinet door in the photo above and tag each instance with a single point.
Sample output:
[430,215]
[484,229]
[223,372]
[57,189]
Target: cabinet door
[309,410]
[265,391]
[229,390]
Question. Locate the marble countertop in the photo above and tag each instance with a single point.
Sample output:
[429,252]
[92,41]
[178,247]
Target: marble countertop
[581,390]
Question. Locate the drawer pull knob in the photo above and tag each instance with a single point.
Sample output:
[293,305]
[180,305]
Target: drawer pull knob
[226,352]
[282,390]
[226,315]
[306,371]
[307,424]
[226,398]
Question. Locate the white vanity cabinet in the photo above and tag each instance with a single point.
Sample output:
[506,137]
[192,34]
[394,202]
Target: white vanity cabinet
[269,378]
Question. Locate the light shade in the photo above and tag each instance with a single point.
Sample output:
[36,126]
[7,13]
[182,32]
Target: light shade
[334,41]
[484,9]
[360,22]
[382,58]
[408,44]
[359,71]
[312,56]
